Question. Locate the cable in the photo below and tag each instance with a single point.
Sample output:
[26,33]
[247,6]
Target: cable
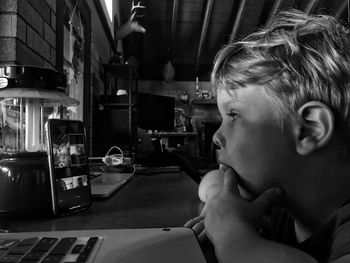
[114,159]
[111,160]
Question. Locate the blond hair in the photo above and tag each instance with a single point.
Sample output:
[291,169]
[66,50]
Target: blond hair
[296,59]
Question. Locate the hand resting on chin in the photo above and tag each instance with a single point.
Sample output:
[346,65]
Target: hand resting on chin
[210,185]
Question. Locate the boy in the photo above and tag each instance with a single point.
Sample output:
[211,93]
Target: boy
[284,97]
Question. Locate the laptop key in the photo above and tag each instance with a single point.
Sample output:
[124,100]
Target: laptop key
[52,259]
[87,249]
[92,240]
[90,244]
[33,256]
[5,243]
[29,241]
[45,244]
[10,258]
[77,249]
[19,250]
[83,256]
[63,246]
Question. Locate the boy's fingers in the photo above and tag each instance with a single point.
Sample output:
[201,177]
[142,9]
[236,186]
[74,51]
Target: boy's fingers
[230,181]
[193,221]
[269,197]
[198,228]
[197,224]
[204,210]
[202,237]
[223,167]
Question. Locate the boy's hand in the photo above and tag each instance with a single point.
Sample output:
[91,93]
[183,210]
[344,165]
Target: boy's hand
[210,185]
[228,214]
[197,224]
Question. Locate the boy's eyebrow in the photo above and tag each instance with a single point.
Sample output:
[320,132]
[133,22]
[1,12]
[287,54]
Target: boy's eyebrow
[236,104]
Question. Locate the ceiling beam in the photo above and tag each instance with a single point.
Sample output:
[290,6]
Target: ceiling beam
[276,6]
[105,24]
[204,31]
[238,20]
[310,6]
[340,10]
[173,24]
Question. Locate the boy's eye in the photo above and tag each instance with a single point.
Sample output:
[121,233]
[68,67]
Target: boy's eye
[233,115]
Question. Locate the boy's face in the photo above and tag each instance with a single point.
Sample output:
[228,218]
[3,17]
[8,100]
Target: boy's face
[252,141]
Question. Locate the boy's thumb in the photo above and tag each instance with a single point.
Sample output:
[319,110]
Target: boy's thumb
[269,197]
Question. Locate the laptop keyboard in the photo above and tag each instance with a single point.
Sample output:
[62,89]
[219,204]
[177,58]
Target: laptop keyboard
[49,249]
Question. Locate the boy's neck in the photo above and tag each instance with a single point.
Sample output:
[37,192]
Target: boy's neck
[305,227]
[316,204]
[318,185]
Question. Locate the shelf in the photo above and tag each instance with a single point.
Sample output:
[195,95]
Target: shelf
[118,115]
[204,101]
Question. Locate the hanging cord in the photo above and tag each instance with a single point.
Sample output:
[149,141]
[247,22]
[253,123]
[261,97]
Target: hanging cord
[74,9]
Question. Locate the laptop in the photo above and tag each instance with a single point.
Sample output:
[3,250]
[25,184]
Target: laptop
[105,183]
[153,245]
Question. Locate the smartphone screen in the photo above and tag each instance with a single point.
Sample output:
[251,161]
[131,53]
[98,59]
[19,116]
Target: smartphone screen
[69,168]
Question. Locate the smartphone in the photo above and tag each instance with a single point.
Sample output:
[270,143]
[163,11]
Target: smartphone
[69,169]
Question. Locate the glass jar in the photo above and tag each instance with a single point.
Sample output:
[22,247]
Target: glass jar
[29,97]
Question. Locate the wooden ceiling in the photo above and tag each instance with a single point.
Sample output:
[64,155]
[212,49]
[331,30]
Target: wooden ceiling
[190,32]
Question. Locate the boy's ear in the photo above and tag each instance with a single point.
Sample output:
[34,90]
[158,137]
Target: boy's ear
[316,129]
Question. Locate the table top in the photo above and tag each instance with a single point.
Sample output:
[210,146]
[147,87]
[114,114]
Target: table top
[159,200]
[174,134]
[147,201]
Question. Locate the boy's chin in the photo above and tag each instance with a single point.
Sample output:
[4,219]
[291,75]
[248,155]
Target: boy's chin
[245,194]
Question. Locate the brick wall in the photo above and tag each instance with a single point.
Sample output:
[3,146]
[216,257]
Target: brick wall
[28,32]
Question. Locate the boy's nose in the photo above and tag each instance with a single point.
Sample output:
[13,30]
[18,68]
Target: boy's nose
[217,138]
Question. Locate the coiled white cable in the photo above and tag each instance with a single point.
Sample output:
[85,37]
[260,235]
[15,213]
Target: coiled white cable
[114,159]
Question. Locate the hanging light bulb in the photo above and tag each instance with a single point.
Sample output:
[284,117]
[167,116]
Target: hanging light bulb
[168,72]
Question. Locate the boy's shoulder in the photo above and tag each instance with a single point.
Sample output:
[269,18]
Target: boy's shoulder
[329,242]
